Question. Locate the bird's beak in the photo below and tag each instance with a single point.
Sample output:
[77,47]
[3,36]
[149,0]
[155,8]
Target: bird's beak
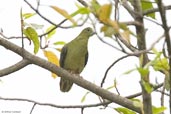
[93,33]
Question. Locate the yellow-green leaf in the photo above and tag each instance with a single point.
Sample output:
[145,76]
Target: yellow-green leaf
[129,71]
[84,97]
[59,43]
[36,26]
[104,12]
[147,86]
[52,58]
[81,10]
[28,15]
[122,110]
[95,7]
[146,5]
[137,103]
[143,71]
[51,31]
[64,13]
[158,110]
[108,31]
[161,64]
[126,35]
[33,36]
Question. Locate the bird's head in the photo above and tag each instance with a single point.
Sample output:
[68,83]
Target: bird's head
[88,31]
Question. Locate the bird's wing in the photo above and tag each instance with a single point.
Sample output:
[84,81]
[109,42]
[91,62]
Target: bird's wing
[86,59]
[63,56]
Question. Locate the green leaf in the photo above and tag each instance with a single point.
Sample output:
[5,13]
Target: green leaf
[33,36]
[51,32]
[129,71]
[59,43]
[113,86]
[95,6]
[161,64]
[84,97]
[143,71]
[36,26]
[158,110]
[82,10]
[108,31]
[137,103]
[124,110]
[146,5]
[28,15]
[147,86]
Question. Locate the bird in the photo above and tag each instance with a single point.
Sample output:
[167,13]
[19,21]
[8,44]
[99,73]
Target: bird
[74,57]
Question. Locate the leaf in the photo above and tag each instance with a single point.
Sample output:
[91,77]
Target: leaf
[84,97]
[95,6]
[108,31]
[33,36]
[137,103]
[161,64]
[158,110]
[115,25]
[104,12]
[52,58]
[51,33]
[147,86]
[28,15]
[81,10]
[59,43]
[129,71]
[110,87]
[126,35]
[143,71]
[121,110]
[64,13]
[36,26]
[146,5]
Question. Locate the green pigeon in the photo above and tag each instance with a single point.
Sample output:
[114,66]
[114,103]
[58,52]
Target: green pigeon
[74,56]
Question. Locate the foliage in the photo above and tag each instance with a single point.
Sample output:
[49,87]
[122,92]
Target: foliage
[128,41]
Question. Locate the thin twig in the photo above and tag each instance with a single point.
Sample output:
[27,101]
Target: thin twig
[39,13]
[82,110]
[130,54]
[103,80]
[54,105]
[31,111]
[83,3]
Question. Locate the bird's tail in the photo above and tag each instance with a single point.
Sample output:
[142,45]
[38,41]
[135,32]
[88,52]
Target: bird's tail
[65,85]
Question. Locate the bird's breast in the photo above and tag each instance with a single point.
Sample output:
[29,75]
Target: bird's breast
[76,59]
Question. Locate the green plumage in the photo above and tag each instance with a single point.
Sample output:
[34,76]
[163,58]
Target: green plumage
[74,56]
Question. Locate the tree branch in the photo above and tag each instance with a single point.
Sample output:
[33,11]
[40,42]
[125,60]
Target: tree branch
[167,39]
[73,106]
[73,77]
[39,13]
[54,105]
[141,41]
[21,64]
[156,10]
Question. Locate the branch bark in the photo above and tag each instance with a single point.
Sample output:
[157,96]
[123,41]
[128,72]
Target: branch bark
[167,39]
[21,64]
[141,41]
[76,79]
